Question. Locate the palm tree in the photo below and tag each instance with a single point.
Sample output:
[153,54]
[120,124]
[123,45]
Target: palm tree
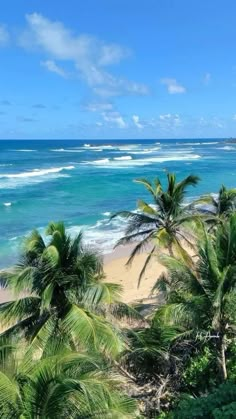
[62,285]
[165,223]
[220,206]
[202,298]
[62,384]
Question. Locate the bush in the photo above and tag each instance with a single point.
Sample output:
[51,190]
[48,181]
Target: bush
[220,404]
[198,373]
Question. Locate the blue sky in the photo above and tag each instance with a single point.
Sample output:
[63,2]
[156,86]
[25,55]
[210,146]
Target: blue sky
[117,69]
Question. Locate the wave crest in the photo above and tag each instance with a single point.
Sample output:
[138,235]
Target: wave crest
[123,158]
[36,172]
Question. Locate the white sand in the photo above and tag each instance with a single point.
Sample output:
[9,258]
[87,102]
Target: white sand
[117,271]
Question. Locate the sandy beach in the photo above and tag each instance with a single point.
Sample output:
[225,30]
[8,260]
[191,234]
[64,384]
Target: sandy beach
[117,271]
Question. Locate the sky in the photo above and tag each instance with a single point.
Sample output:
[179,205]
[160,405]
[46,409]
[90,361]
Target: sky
[117,69]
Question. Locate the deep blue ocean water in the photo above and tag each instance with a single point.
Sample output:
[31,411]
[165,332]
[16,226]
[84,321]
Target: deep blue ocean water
[83,184]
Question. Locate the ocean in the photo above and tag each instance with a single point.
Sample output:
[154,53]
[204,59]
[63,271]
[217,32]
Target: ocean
[84,183]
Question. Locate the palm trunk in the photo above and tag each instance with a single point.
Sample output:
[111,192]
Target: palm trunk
[222,359]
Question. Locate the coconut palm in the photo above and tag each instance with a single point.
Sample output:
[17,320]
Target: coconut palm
[202,298]
[163,224]
[218,207]
[62,384]
[58,285]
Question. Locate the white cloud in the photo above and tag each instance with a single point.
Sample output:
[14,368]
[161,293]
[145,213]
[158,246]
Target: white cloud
[164,117]
[207,78]
[173,86]
[98,107]
[234,117]
[53,67]
[136,121]
[89,55]
[212,122]
[112,54]
[114,118]
[169,121]
[4,36]
[117,87]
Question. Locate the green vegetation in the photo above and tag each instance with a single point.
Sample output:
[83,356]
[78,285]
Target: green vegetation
[220,207]
[64,287]
[60,384]
[70,348]
[165,224]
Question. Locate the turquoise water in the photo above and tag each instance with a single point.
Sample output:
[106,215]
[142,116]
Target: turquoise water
[83,183]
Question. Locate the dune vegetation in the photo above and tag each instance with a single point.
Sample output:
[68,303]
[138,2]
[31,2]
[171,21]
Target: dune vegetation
[69,346]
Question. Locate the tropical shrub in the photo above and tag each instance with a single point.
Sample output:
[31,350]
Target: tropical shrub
[220,404]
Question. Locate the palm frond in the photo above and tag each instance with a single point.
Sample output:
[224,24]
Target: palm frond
[143,270]
[13,311]
[102,293]
[9,392]
[148,186]
[91,331]
[139,247]
[133,237]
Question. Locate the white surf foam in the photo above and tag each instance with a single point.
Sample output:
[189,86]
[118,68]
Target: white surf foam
[114,164]
[152,150]
[36,172]
[18,180]
[58,149]
[96,149]
[173,158]
[108,147]
[197,143]
[14,183]
[98,162]
[143,152]
[102,147]
[63,150]
[191,144]
[227,147]
[25,150]
[129,147]
[14,238]
[103,235]
[7,204]
[123,158]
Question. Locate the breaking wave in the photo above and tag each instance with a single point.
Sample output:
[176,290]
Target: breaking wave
[25,150]
[63,150]
[17,180]
[36,172]
[123,158]
[118,163]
